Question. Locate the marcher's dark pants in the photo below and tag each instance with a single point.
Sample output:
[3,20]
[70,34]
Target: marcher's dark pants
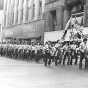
[56,59]
[44,59]
[65,56]
[52,58]
[47,59]
[38,56]
[60,57]
[86,61]
[69,59]
[73,56]
[82,56]
[32,55]
[68,56]
[76,59]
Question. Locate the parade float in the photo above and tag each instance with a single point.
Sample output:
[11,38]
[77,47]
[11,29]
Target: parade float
[75,30]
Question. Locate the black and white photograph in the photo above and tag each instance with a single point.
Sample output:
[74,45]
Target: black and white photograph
[43,43]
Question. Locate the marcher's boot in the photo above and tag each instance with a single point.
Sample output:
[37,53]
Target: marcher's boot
[64,61]
[86,64]
[45,61]
[71,61]
[55,62]
[68,63]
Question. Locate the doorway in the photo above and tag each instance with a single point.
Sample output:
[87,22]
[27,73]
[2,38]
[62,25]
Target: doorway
[54,20]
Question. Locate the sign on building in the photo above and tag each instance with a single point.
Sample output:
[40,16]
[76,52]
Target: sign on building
[53,36]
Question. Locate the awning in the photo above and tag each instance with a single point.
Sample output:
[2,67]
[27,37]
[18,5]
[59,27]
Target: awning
[53,36]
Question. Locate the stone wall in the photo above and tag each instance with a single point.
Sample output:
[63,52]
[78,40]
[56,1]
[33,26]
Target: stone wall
[33,30]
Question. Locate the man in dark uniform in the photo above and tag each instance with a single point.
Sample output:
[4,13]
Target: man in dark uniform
[65,52]
[73,52]
[38,52]
[83,47]
[47,59]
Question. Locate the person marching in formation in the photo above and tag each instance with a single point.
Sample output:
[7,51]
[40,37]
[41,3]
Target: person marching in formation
[58,53]
[83,53]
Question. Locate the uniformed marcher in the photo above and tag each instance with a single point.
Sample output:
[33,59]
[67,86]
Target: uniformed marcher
[73,53]
[65,53]
[83,53]
[47,59]
[58,53]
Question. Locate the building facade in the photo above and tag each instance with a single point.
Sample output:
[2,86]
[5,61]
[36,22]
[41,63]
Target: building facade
[31,18]
[25,17]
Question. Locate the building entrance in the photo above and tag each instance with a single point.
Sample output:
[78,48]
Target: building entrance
[54,20]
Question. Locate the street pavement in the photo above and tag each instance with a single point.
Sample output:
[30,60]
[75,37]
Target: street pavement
[23,74]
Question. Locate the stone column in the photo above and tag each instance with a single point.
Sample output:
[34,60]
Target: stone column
[12,12]
[30,10]
[16,12]
[5,10]
[25,11]
[20,12]
[4,19]
[37,8]
[7,13]
[43,8]
[59,17]
[67,14]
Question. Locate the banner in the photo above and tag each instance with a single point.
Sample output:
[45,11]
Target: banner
[74,27]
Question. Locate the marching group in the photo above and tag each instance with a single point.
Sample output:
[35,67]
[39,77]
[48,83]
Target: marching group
[64,53]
